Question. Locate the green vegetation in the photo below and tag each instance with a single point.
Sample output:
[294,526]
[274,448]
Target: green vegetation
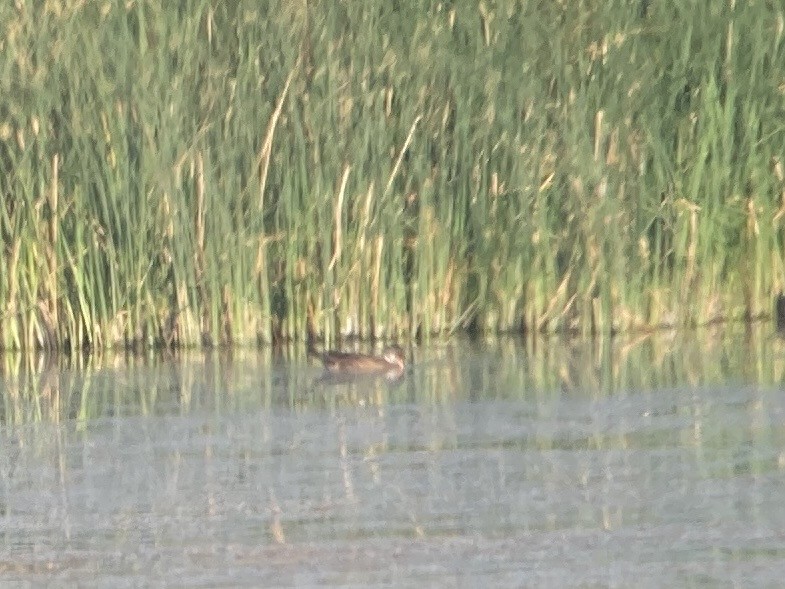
[204,173]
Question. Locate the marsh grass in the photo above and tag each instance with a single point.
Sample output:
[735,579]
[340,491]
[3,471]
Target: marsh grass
[201,174]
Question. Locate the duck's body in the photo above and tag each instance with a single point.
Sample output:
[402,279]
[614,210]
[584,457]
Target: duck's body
[390,363]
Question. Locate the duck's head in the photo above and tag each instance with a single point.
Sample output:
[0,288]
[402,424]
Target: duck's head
[394,355]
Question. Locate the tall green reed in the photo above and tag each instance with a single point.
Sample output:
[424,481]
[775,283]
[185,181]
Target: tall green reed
[210,175]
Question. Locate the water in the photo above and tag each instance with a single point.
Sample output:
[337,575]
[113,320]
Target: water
[650,463]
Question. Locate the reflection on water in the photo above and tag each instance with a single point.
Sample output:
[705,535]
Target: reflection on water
[649,462]
[38,388]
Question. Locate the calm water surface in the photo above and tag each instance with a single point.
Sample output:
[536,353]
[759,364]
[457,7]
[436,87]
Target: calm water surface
[657,462]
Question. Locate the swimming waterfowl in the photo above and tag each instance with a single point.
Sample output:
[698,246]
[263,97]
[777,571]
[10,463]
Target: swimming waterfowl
[391,363]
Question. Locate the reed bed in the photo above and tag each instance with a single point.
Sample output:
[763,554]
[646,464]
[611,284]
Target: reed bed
[204,173]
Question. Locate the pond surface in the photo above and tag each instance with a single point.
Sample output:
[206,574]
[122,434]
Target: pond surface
[649,462]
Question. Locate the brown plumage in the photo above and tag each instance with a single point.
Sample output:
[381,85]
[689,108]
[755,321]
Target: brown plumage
[390,363]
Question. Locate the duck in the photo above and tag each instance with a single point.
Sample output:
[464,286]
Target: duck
[391,363]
